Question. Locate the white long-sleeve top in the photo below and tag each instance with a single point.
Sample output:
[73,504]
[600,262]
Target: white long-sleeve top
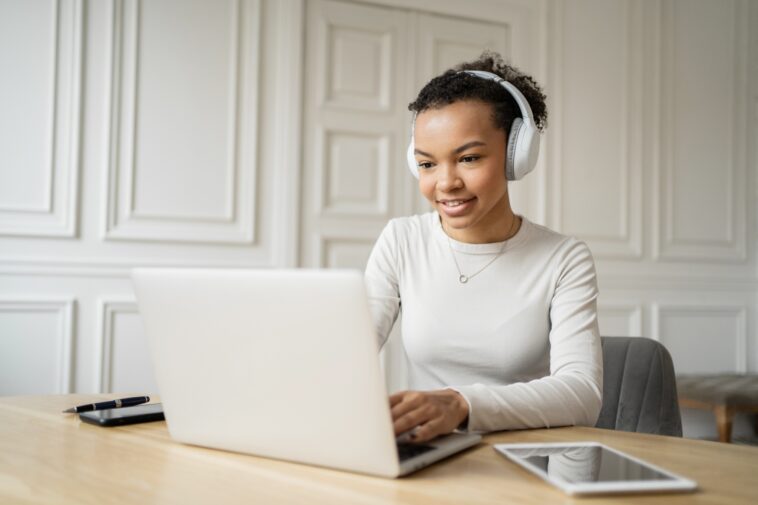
[519,341]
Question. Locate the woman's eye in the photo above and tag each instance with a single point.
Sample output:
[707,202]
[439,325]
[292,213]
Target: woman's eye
[469,159]
[424,164]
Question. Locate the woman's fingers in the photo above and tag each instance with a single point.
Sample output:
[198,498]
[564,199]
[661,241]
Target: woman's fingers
[431,412]
[412,411]
[404,402]
[397,398]
[430,430]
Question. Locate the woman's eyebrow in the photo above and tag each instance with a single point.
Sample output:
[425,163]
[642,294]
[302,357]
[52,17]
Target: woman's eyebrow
[467,145]
[473,143]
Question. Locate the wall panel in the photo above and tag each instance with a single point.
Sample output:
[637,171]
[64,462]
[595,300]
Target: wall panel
[356,169]
[358,75]
[124,359]
[346,253]
[703,338]
[182,160]
[39,119]
[620,320]
[598,142]
[703,150]
[36,345]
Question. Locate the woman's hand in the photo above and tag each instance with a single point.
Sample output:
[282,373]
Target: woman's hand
[432,413]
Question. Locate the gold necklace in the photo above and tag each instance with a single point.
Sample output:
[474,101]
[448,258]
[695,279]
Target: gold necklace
[463,278]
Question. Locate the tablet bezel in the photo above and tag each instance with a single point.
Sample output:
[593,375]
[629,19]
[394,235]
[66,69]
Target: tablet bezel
[677,484]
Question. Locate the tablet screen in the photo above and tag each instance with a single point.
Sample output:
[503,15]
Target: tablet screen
[591,463]
[591,467]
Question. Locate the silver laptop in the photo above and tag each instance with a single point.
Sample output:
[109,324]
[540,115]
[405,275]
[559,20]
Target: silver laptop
[276,363]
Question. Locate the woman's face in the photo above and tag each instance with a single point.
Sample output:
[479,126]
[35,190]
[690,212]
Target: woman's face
[461,159]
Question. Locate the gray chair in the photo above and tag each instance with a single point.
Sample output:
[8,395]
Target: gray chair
[639,387]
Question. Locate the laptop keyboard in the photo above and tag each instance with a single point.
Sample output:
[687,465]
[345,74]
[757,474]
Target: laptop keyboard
[407,451]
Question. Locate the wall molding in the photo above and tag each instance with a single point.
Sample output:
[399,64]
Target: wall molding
[737,312]
[522,15]
[376,208]
[122,220]
[289,36]
[116,267]
[108,308]
[326,245]
[64,308]
[627,244]
[381,102]
[667,246]
[57,217]
[653,282]
[632,311]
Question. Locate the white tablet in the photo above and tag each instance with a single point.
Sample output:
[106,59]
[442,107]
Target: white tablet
[593,468]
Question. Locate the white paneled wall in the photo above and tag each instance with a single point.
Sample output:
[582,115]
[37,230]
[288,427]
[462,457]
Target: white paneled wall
[133,130]
[596,58]
[657,174]
[182,120]
[702,43]
[36,345]
[123,344]
[262,133]
[706,338]
[40,90]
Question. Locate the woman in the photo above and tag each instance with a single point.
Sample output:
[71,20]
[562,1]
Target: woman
[499,314]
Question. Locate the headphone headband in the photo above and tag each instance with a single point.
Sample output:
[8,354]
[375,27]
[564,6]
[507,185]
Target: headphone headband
[523,104]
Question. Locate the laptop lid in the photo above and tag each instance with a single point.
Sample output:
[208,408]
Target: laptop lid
[277,363]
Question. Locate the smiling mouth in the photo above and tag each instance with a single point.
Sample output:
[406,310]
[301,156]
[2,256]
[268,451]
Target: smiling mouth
[453,203]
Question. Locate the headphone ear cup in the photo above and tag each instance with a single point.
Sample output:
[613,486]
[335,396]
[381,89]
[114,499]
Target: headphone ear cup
[411,159]
[522,151]
[527,151]
[511,149]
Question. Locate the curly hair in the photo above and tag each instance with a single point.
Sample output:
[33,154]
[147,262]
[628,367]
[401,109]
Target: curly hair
[453,86]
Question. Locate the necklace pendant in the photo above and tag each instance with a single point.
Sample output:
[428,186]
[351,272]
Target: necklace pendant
[463,279]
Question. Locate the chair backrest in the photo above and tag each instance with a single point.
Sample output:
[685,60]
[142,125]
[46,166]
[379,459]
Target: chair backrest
[639,387]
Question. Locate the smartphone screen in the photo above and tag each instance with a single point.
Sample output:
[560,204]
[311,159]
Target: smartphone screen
[124,415]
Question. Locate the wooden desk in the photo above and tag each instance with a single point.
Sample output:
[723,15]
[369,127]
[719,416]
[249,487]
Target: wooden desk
[49,457]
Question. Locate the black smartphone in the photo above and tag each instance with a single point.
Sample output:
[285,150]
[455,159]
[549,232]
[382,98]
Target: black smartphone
[124,415]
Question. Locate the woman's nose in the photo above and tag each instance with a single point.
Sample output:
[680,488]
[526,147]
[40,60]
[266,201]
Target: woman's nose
[447,178]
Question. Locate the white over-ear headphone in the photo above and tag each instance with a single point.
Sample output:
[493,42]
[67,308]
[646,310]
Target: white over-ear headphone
[523,146]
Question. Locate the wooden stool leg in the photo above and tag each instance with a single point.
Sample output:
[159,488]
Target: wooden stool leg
[724,419]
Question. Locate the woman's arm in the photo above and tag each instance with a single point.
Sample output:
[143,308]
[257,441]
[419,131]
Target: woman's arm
[382,283]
